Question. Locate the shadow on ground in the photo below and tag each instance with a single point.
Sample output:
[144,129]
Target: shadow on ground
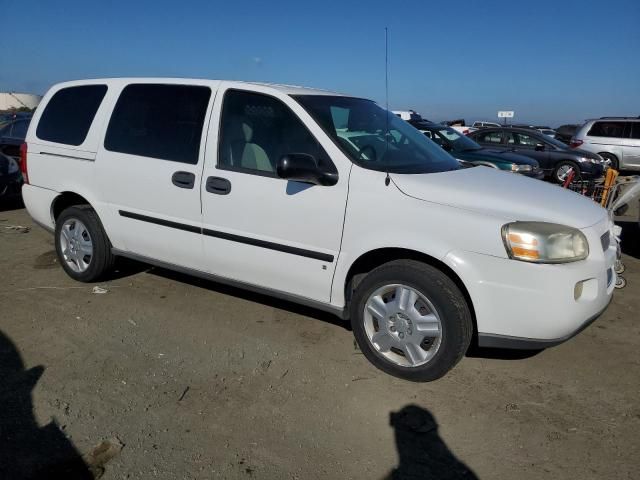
[10,203]
[251,296]
[499,353]
[422,453]
[28,451]
[630,239]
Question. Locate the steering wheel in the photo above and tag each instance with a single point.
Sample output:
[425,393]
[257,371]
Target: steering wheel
[369,152]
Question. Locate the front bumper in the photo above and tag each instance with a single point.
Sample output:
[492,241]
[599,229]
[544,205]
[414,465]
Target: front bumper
[537,173]
[523,305]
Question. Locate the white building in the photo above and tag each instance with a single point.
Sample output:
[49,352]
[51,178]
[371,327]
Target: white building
[9,100]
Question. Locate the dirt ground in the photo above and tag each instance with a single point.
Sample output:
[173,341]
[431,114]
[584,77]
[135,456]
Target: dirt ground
[191,379]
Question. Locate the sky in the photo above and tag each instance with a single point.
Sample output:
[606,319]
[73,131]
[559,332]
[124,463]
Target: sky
[551,62]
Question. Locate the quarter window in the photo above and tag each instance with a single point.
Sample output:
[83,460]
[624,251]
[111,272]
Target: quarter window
[68,115]
[256,130]
[635,130]
[159,121]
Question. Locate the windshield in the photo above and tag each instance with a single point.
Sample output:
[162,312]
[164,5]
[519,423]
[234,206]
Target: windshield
[458,142]
[374,138]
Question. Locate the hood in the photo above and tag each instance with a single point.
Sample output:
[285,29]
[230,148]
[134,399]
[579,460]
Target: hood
[486,154]
[584,153]
[512,197]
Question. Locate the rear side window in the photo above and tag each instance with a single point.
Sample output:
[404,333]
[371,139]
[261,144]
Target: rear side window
[608,129]
[159,121]
[489,137]
[68,115]
[635,130]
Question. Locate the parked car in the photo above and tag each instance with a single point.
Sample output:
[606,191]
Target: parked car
[10,116]
[554,157]
[616,139]
[408,115]
[565,133]
[482,124]
[10,177]
[464,148]
[549,132]
[12,135]
[322,199]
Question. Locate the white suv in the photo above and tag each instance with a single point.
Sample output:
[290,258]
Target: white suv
[322,199]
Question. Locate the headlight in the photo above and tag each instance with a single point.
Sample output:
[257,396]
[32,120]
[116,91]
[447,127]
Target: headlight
[587,160]
[541,242]
[13,166]
[520,168]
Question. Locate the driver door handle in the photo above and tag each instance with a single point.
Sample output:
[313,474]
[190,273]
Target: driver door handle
[218,185]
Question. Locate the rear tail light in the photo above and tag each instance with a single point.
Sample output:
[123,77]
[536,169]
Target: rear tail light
[575,143]
[466,132]
[23,163]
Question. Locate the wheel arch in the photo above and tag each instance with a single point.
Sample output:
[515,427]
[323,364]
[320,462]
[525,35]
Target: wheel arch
[66,200]
[374,258]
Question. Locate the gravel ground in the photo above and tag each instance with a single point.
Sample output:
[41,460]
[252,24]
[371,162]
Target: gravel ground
[167,376]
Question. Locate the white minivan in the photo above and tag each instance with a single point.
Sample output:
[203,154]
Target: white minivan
[322,199]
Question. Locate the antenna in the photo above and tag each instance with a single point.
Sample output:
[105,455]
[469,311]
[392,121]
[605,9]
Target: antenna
[387,179]
[386,67]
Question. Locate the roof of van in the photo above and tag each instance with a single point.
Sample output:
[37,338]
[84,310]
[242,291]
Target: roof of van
[286,89]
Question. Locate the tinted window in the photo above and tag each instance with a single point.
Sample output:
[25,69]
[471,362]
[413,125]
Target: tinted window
[607,129]
[489,137]
[256,130]
[635,130]
[527,140]
[69,114]
[159,121]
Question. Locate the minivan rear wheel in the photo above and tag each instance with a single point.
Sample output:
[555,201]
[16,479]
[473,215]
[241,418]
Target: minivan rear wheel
[611,159]
[82,246]
[411,320]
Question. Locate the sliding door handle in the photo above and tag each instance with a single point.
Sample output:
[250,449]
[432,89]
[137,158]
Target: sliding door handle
[183,179]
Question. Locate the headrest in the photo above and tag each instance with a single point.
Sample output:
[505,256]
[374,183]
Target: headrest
[239,130]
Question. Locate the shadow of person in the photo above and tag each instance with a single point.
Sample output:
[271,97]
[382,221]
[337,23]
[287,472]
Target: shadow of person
[27,451]
[423,454]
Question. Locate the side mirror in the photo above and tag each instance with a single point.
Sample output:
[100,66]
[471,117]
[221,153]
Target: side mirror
[540,147]
[302,167]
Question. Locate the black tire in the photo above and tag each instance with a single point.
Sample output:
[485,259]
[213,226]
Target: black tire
[612,159]
[562,164]
[102,259]
[446,297]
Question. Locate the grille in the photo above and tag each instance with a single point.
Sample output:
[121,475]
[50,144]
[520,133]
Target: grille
[605,240]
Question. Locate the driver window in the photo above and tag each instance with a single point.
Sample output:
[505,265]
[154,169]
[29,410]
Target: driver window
[527,140]
[256,130]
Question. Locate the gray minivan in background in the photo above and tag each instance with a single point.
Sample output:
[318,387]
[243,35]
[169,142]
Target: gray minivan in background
[616,139]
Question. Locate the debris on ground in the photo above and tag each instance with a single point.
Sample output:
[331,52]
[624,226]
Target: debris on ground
[99,290]
[98,457]
[17,229]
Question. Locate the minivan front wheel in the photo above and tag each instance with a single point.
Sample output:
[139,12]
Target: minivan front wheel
[82,246]
[411,320]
